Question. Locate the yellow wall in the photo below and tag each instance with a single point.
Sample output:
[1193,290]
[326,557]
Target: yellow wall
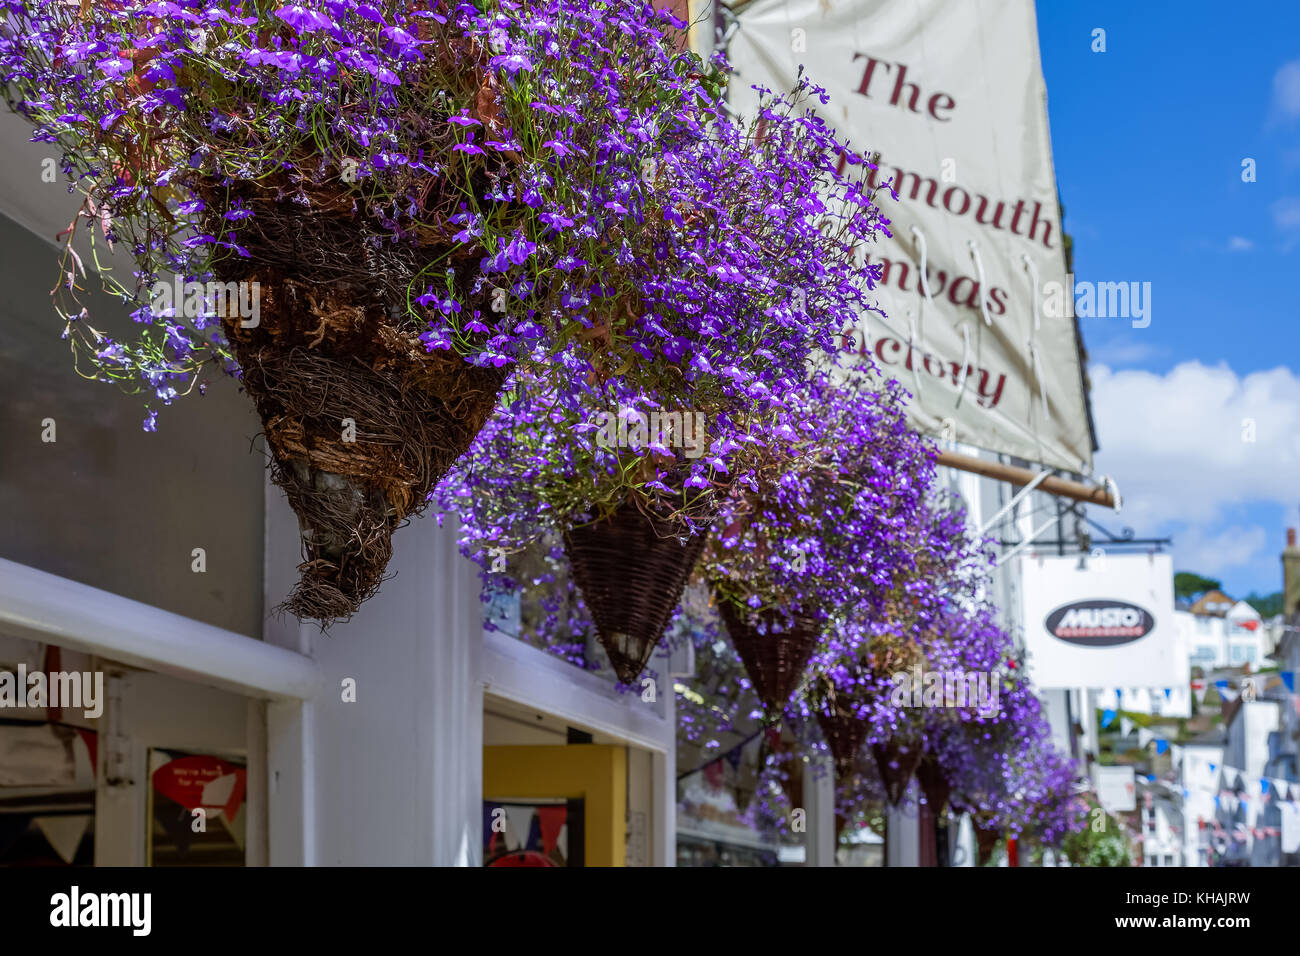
[595,772]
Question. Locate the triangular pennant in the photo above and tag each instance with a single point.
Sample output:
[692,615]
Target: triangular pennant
[518,822]
[552,819]
[64,834]
[1228,695]
[1169,693]
[1145,737]
[1161,745]
[1107,717]
[1125,726]
[1288,678]
[1176,755]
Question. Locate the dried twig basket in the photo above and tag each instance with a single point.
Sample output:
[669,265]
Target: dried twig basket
[774,659]
[933,783]
[986,840]
[360,420]
[631,568]
[844,735]
[896,761]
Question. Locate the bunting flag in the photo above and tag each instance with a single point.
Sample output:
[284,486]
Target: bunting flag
[1228,695]
[713,774]
[1125,726]
[1198,690]
[519,820]
[1119,697]
[1290,830]
[64,834]
[1169,693]
[1107,717]
[1176,754]
[1144,737]
[1161,745]
[1288,678]
[552,820]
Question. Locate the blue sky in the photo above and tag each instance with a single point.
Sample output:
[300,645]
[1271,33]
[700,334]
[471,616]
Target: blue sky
[1148,140]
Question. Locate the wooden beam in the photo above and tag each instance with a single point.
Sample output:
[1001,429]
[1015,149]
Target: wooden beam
[1062,487]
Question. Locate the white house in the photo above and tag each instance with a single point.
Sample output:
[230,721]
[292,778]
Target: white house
[1218,631]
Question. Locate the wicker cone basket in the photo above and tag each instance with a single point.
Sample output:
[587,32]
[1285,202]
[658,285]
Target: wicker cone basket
[986,841]
[844,734]
[631,569]
[774,661]
[934,784]
[896,761]
[361,421]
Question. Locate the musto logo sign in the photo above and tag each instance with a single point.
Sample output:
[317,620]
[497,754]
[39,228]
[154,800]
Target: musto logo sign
[1100,623]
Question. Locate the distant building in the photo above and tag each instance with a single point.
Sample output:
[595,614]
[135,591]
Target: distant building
[1218,631]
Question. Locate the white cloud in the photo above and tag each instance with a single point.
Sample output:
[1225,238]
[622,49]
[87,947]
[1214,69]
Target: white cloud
[1176,443]
[1122,350]
[1240,244]
[1286,89]
[1286,212]
[1215,552]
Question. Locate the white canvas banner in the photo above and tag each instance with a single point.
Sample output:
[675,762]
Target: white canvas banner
[951,97]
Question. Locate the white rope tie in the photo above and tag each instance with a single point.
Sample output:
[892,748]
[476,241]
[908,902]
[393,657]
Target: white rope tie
[984,288]
[925,279]
[911,346]
[925,290]
[965,364]
[1033,275]
[1033,337]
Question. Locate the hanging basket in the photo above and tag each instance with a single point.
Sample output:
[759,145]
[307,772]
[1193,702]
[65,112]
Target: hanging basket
[631,569]
[774,659]
[896,761]
[986,841]
[360,420]
[934,784]
[844,735]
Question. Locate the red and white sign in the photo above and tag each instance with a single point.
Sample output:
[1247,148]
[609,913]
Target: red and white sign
[203,781]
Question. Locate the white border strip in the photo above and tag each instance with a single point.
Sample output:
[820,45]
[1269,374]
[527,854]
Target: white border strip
[50,609]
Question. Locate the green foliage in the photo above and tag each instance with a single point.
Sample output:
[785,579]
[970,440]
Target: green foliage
[1268,605]
[1102,842]
[1190,585]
